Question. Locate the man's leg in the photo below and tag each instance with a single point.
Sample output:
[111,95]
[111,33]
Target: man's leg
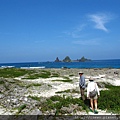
[82,93]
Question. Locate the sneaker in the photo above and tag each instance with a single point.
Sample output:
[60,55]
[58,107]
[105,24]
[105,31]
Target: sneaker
[91,110]
[95,111]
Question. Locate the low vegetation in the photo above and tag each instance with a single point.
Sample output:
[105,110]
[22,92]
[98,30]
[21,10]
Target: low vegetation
[68,91]
[34,98]
[55,75]
[21,108]
[14,72]
[34,84]
[71,75]
[57,102]
[110,99]
[29,74]
[41,74]
[68,80]
[2,82]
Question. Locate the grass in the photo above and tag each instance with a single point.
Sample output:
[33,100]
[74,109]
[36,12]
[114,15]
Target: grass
[34,98]
[68,80]
[71,75]
[21,108]
[110,99]
[2,82]
[31,74]
[64,77]
[14,72]
[34,84]
[68,91]
[55,75]
[57,102]
[42,74]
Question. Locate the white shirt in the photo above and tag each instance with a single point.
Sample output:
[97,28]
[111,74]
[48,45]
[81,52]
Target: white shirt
[91,86]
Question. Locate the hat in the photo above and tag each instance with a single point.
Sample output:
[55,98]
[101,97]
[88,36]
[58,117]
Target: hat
[80,72]
[91,79]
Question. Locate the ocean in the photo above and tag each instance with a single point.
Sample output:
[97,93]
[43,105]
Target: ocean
[114,63]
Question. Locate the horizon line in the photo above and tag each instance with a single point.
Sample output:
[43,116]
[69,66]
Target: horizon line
[54,61]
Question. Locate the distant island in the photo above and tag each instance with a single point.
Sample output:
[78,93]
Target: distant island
[67,59]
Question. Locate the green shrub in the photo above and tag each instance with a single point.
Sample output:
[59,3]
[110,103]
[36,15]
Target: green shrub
[55,75]
[42,74]
[2,82]
[64,77]
[57,102]
[56,98]
[68,91]
[14,72]
[34,84]
[34,98]
[110,99]
[71,75]
[21,108]
[68,80]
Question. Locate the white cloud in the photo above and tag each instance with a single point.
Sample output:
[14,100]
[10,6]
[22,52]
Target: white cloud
[76,32]
[100,20]
[87,42]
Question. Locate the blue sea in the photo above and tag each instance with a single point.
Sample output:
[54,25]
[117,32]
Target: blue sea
[114,63]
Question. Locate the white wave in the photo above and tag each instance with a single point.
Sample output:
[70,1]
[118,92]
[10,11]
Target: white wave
[7,66]
[32,67]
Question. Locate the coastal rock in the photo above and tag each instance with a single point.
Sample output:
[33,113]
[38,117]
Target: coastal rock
[36,112]
[101,85]
[66,110]
[57,60]
[1,96]
[67,59]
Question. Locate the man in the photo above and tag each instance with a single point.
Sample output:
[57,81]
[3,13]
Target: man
[82,85]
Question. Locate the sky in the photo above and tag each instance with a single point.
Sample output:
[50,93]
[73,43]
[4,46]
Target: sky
[42,30]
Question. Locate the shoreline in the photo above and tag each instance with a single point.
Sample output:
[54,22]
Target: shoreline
[110,63]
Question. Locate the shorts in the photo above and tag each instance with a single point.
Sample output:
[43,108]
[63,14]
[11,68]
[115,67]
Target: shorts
[94,98]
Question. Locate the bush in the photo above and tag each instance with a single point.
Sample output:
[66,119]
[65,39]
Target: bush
[42,74]
[57,102]
[34,98]
[34,84]
[55,75]
[110,99]
[63,80]
[68,91]
[13,72]
[2,82]
[21,108]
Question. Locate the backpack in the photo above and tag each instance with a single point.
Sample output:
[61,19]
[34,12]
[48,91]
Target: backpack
[93,93]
